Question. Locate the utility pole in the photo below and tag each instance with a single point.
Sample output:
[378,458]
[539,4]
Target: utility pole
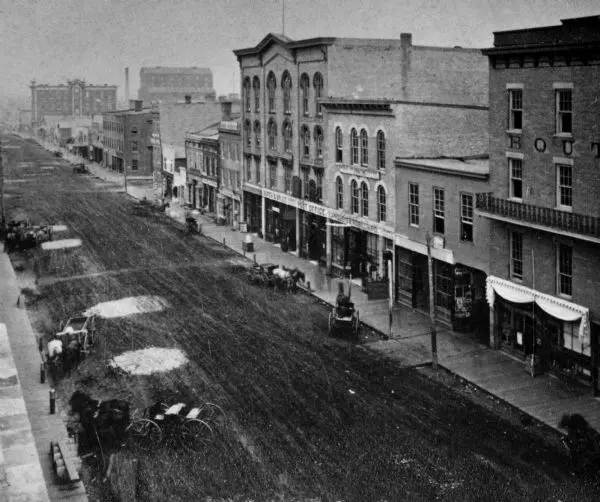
[434,357]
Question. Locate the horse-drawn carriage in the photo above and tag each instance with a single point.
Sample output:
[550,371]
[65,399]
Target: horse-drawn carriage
[22,235]
[271,275]
[344,317]
[80,168]
[262,274]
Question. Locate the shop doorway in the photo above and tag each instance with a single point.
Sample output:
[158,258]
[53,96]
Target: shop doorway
[356,251]
[420,282]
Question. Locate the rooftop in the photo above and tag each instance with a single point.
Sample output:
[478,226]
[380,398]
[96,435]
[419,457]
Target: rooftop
[472,167]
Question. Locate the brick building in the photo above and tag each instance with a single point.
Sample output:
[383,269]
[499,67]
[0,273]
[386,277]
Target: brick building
[76,98]
[126,140]
[170,85]
[543,288]
[230,184]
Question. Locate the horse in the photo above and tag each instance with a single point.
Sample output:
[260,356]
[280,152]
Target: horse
[283,279]
[71,356]
[582,440]
[296,274]
[103,422]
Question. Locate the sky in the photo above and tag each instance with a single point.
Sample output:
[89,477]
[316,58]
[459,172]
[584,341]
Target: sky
[95,40]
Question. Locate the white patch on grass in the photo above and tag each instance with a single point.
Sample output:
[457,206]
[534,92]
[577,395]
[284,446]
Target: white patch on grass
[47,167]
[128,306]
[59,228]
[149,360]
[61,244]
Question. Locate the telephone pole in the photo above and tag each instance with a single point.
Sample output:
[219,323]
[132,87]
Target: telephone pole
[434,357]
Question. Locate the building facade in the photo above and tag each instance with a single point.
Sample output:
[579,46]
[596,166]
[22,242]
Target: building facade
[543,207]
[75,98]
[170,85]
[230,184]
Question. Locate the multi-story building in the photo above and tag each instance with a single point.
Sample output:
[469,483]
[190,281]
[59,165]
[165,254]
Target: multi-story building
[127,140]
[543,206]
[170,85]
[76,98]
[230,183]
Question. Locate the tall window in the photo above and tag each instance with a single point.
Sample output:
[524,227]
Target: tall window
[271,86]
[354,197]
[515,104]
[272,174]
[381,204]
[466,217]
[134,164]
[287,136]
[319,142]
[286,85]
[247,133]
[287,173]
[413,204]
[257,168]
[564,111]
[364,148]
[380,150]
[339,193]
[247,93]
[564,186]
[515,167]
[439,211]
[516,255]
[339,145]
[364,199]
[305,88]
[134,146]
[305,142]
[256,87]
[319,179]
[353,147]
[272,133]
[248,165]
[257,134]
[305,178]
[565,269]
[318,84]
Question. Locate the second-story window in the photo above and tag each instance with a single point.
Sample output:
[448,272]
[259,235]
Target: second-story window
[564,262]
[515,103]
[339,193]
[271,86]
[564,187]
[248,165]
[339,145]
[319,181]
[318,85]
[319,142]
[381,150]
[305,142]
[286,86]
[248,133]
[256,88]
[364,199]
[134,146]
[305,88]
[257,134]
[466,217]
[515,167]
[272,133]
[257,168]
[439,211]
[364,148]
[272,174]
[516,255]
[247,94]
[287,136]
[353,147]
[564,111]
[287,173]
[354,203]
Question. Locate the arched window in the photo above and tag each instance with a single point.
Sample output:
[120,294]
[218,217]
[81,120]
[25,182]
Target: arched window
[354,197]
[364,148]
[364,199]
[353,147]
[287,136]
[339,145]
[305,141]
[339,193]
[305,88]
[271,86]
[381,208]
[381,150]
[318,84]
[319,142]
[257,134]
[286,85]
[272,133]
[256,87]
[247,93]
[247,133]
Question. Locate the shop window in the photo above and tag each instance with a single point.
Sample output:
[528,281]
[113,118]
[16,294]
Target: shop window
[516,255]
[381,150]
[439,211]
[337,245]
[413,204]
[564,187]
[515,167]
[256,87]
[304,89]
[373,250]
[364,148]
[354,197]
[364,199]
[353,147]
[286,85]
[443,285]
[466,217]
[339,145]
[381,204]
[339,193]
[565,270]
[271,86]
[318,85]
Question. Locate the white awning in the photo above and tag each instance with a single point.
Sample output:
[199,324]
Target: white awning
[553,305]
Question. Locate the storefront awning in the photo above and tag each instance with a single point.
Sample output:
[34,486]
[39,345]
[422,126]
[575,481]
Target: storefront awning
[556,307]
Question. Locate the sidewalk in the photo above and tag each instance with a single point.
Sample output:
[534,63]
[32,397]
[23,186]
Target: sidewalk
[544,397]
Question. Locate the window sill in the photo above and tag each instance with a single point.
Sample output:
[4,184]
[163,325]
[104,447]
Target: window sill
[514,132]
[515,199]
[564,209]
[516,279]
[564,296]
[563,135]
[413,225]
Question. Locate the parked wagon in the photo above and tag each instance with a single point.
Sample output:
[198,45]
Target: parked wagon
[262,275]
[344,317]
[80,168]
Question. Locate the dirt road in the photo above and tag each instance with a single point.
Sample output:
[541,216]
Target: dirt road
[307,417]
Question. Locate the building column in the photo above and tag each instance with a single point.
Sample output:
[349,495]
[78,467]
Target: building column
[263,215]
[493,337]
[242,217]
[328,250]
[381,265]
[298,231]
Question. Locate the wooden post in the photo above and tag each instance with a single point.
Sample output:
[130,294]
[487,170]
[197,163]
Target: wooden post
[434,357]
[391,296]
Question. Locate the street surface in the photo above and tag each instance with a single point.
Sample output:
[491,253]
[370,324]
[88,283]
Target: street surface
[307,417]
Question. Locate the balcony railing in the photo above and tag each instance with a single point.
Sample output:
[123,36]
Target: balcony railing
[544,216]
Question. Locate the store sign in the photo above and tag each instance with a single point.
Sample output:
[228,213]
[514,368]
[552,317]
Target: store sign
[256,190]
[280,197]
[360,171]
[367,226]
[313,208]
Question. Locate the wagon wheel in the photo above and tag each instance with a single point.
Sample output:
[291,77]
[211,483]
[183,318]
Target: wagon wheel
[211,413]
[195,434]
[146,433]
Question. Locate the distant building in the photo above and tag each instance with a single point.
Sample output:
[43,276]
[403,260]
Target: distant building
[24,118]
[170,85]
[75,98]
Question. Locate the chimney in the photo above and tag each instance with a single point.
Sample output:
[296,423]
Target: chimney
[126,85]
[405,40]
[188,99]
[226,110]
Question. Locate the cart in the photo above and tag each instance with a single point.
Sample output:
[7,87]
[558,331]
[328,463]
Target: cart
[80,168]
[81,329]
[344,318]
[262,275]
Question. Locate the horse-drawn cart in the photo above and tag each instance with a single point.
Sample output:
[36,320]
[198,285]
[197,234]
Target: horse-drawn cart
[262,274]
[80,329]
[80,168]
[344,318]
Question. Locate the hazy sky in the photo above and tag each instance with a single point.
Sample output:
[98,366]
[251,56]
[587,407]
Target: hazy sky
[56,40]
